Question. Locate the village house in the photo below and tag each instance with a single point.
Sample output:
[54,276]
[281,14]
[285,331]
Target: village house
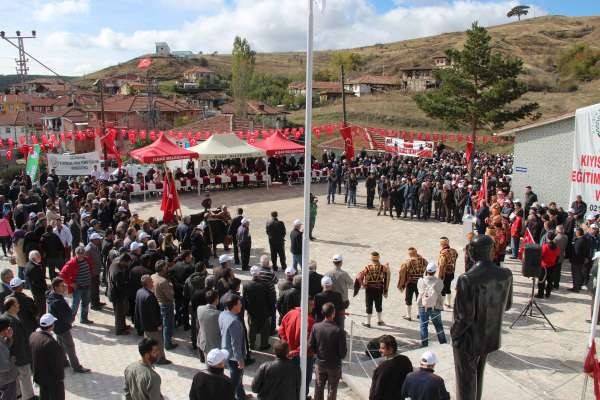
[370,84]
[326,91]
[258,114]
[71,119]
[132,112]
[182,54]
[162,49]
[195,74]
[19,123]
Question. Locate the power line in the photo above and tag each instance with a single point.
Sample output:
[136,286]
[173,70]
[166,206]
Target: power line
[22,67]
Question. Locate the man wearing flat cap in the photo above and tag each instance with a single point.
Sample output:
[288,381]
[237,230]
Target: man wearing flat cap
[375,278]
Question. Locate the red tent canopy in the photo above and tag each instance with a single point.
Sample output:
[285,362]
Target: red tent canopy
[277,144]
[161,150]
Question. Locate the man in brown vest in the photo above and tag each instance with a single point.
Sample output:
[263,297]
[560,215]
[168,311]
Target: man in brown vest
[375,278]
[446,265]
[410,272]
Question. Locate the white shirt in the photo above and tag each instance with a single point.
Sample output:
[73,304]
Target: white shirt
[64,235]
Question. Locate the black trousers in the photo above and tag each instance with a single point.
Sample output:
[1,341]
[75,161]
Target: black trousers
[245,258]
[56,391]
[277,249]
[577,273]
[373,295]
[458,213]
[546,280]
[95,291]
[120,310]
[411,289]
[236,250]
[370,197]
[557,274]
[469,374]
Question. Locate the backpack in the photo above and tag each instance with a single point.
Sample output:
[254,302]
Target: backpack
[430,296]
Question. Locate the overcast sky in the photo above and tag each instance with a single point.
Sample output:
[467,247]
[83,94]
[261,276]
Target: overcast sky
[81,36]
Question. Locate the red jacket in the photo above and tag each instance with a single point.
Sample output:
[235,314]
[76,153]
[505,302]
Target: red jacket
[289,330]
[515,228]
[70,270]
[549,255]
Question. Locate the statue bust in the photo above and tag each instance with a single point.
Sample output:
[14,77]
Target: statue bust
[483,294]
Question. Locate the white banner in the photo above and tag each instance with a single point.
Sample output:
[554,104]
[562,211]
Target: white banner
[585,175]
[73,164]
[415,148]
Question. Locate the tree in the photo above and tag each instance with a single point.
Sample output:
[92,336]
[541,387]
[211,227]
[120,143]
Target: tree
[518,11]
[242,70]
[350,61]
[478,89]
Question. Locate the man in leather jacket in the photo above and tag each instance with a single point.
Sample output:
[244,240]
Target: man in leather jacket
[482,295]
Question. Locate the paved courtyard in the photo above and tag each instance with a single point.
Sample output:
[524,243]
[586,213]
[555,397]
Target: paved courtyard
[534,362]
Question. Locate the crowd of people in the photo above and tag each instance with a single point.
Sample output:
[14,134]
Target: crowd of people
[80,240]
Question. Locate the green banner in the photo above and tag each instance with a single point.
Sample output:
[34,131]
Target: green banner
[33,162]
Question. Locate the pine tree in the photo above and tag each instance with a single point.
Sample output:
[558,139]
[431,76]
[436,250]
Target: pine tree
[479,88]
[242,70]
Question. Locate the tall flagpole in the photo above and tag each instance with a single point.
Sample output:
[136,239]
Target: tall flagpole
[307,178]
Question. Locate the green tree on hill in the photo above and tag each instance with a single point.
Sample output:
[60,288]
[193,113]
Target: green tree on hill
[242,71]
[518,11]
[479,88]
[579,62]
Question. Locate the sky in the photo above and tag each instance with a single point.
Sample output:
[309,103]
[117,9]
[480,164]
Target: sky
[76,37]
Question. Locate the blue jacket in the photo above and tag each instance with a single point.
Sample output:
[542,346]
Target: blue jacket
[423,384]
[232,336]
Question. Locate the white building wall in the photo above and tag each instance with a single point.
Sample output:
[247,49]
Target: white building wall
[546,153]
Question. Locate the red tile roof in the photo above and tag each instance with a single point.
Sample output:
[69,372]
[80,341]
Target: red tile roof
[140,103]
[219,123]
[254,108]
[318,85]
[374,80]
[20,118]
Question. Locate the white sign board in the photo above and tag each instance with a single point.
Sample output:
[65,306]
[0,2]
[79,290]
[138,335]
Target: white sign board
[73,164]
[585,174]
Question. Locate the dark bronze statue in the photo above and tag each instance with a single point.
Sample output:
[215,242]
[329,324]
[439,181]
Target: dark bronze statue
[483,294]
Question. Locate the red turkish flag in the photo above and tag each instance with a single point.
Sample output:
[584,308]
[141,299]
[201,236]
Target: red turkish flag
[590,366]
[348,143]
[469,151]
[170,199]
[527,239]
[109,147]
[144,63]
[482,194]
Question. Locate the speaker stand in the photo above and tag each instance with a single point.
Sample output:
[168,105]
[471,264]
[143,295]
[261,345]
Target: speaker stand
[529,309]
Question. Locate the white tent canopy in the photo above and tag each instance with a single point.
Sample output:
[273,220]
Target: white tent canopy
[224,146]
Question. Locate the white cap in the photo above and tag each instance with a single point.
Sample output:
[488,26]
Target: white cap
[326,281]
[50,178]
[16,282]
[596,255]
[589,217]
[431,267]
[225,258]
[245,221]
[290,271]
[85,215]
[95,201]
[429,358]
[32,215]
[95,236]
[135,245]
[254,270]
[594,226]
[143,235]
[216,357]
[337,258]
[572,210]
[47,320]
[121,209]
[297,222]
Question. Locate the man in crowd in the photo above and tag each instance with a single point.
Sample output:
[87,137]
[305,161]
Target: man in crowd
[213,383]
[278,379]
[410,272]
[53,251]
[579,208]
[147,315]
[63,318]
[6,275]
[446,266]
[530,198]
[77,275]
[328,341]
[268,277]
[314,279]
[296,245]
[289,298]
[65,236]
[117,291]
[36,277]
[48,360]
[258,300]
[163,289]
[430,303]
[244,241]
[328,295]
[233,228]
[389,376]
[276,234]
[579,254]
[290,330]
[19,349]
[209,332]
[375,278]
[233,340]
[424,384]
[27,309]
[141,381]
[342,283]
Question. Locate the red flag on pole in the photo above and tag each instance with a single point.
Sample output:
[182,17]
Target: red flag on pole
[590,366]
[527,239]
[144,63]
[483,190]
[348,143]
[170,199]
[469,151]
[109,147]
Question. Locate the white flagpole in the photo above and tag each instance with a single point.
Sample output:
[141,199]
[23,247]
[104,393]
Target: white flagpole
[307,174]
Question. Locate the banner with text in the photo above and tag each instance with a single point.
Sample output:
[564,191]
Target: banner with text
[585,175]
[73,164]
[414,148]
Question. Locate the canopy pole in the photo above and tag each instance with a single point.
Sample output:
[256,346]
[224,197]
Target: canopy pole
[268,177]
[306,231]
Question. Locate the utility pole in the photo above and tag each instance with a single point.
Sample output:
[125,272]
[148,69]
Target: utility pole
[22,61]
[344,119]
